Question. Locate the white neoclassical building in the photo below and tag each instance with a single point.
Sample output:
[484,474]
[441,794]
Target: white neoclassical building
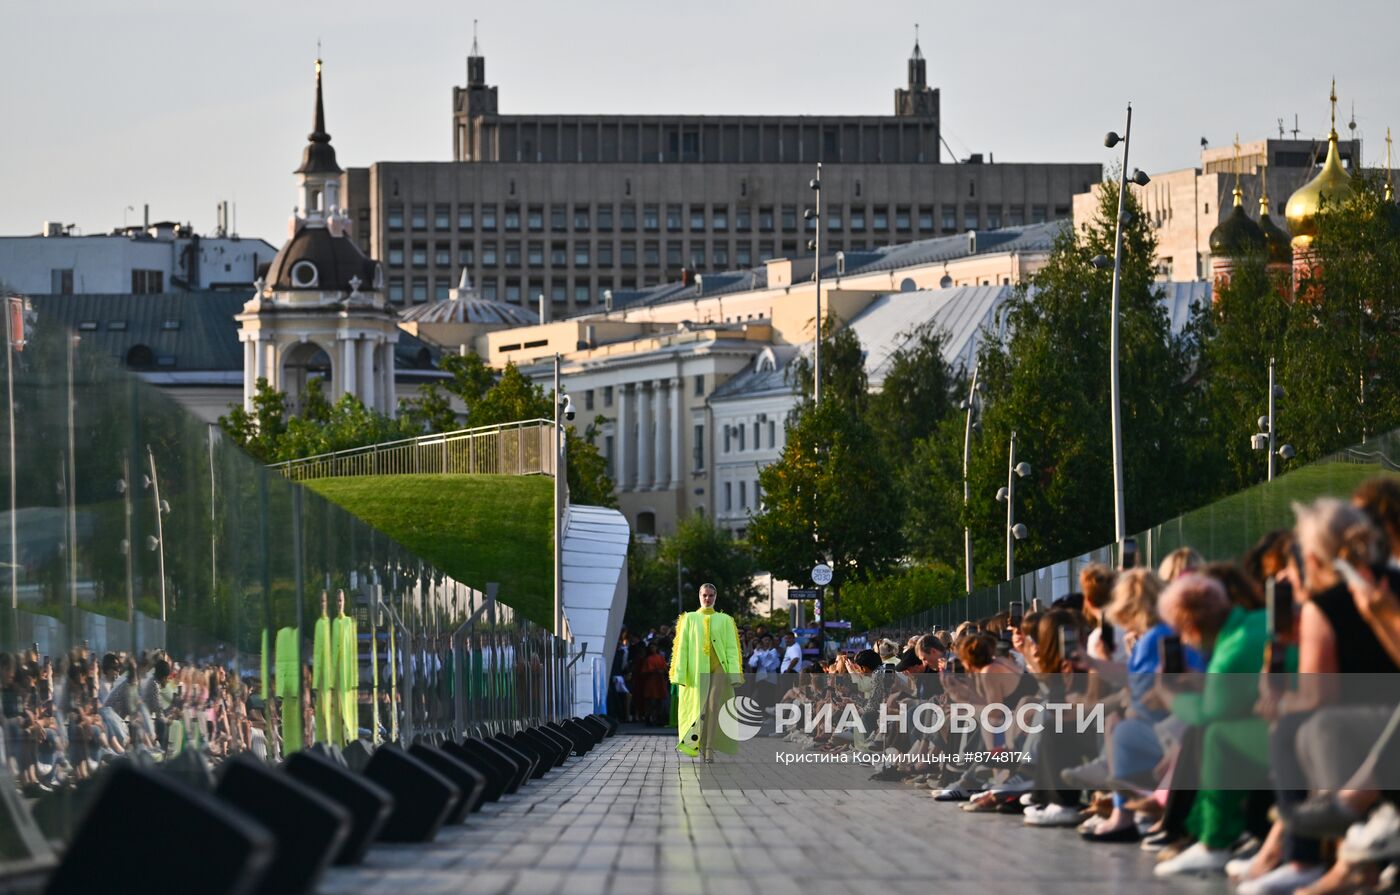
[319,310]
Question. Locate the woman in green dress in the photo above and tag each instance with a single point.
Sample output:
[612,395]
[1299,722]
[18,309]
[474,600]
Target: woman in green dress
[705,665]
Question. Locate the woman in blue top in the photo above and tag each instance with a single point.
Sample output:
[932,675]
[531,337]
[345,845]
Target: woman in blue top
[1134,748]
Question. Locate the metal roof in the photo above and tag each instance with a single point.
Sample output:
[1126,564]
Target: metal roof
[767,374]
[891,321]
[185,331]
[1030,238]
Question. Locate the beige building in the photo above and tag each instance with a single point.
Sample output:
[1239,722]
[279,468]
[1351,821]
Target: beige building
[683,384]
[573,206]
[1186,205]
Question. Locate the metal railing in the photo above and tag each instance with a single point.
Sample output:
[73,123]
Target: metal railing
[521,448]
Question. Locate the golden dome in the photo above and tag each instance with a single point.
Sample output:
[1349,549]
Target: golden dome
[1332,183]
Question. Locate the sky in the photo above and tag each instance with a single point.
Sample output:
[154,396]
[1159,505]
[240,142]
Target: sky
[107,106]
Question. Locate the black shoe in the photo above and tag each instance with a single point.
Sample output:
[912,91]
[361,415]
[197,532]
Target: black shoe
[1011,805]
[1122,834]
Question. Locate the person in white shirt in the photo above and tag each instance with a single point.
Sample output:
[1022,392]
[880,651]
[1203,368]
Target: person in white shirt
[792,655]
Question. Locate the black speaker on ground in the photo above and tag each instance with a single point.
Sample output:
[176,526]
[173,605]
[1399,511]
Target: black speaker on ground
[612,724]
[531,760]
[578,744]
[539,765]
[354,756]
[24,851]
[589,734]
[469,783]
[516,768]
[148,832]
[554,744]
[598,731]
[308,827]
[369,803]
[422,797]
[584,738]
[494,775]
[596,724]
[192,768]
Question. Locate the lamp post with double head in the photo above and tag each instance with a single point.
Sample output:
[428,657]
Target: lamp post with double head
[1111,140]
[1015,531]
[970,405]
[1267,438]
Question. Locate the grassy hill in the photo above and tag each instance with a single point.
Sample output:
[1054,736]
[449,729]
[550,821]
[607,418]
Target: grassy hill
[476,528]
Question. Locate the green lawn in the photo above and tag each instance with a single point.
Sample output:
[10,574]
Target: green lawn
[476,528]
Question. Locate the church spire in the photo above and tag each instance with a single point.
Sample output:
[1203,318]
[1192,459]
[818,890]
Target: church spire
[319,156]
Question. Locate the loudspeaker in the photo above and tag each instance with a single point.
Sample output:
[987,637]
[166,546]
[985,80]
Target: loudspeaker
[553,743]
[369,803]
[354,756]
[538,764]
[516,768]
[612,724]
[597,729]
[578,744]
[23,848]
[147,831]
[468,781]
[309,828]
[494,775]
[422,797]
[191,768]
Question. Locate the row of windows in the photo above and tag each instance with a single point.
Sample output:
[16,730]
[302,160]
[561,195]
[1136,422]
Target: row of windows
[714,218]
[698,254]
[744,492]
[736,437]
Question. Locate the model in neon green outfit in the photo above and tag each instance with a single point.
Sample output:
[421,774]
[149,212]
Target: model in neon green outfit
[705,664]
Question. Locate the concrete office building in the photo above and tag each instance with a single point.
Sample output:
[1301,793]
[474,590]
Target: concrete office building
[571,206]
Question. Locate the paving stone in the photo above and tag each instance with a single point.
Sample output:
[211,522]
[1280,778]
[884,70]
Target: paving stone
[634,817]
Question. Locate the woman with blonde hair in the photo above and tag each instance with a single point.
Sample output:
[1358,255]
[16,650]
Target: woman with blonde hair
[1178,563]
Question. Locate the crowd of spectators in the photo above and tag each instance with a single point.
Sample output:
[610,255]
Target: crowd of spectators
[1233,742]
[65,716]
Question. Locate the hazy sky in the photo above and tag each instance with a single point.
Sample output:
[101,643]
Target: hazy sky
[115,103]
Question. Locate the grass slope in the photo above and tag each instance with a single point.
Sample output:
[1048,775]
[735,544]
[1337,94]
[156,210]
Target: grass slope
[476,528]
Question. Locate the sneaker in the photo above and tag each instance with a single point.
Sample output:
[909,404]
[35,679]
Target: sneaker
[953,793]
[1052,815]
[1282,880]
[1013,786]
[1155,842]
[1028,799]
[1195,860]
[1092,823]
[1090,775]
[1128,833]
[1238,868]
[1375,840]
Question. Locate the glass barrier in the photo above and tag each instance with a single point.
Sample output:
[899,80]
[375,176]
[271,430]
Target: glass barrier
[167,597]
[1224,530]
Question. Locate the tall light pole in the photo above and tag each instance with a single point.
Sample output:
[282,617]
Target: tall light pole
[970,405]
[1015,531]
[1111,140]
[563,411]
[816,246]
[157,541]
[1267,439]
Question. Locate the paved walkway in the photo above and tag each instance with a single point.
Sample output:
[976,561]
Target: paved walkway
[632,817]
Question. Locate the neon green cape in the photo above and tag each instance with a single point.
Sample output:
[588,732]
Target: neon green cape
[697,633]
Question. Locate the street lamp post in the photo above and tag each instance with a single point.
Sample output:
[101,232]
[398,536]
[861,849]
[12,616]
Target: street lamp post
[563,405]
[970,405]
[1111,140]
[1267,440]
[1015,531]
[157,541]
[816,246]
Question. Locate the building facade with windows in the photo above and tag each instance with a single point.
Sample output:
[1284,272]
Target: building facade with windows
[154,258]
[573,206]
[1187,205]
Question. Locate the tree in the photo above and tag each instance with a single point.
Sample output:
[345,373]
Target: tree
[917,393]
[513,398]
[260,432]
[702,552]
[901,594]
[829,498]
[587,472]
[1047,379]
